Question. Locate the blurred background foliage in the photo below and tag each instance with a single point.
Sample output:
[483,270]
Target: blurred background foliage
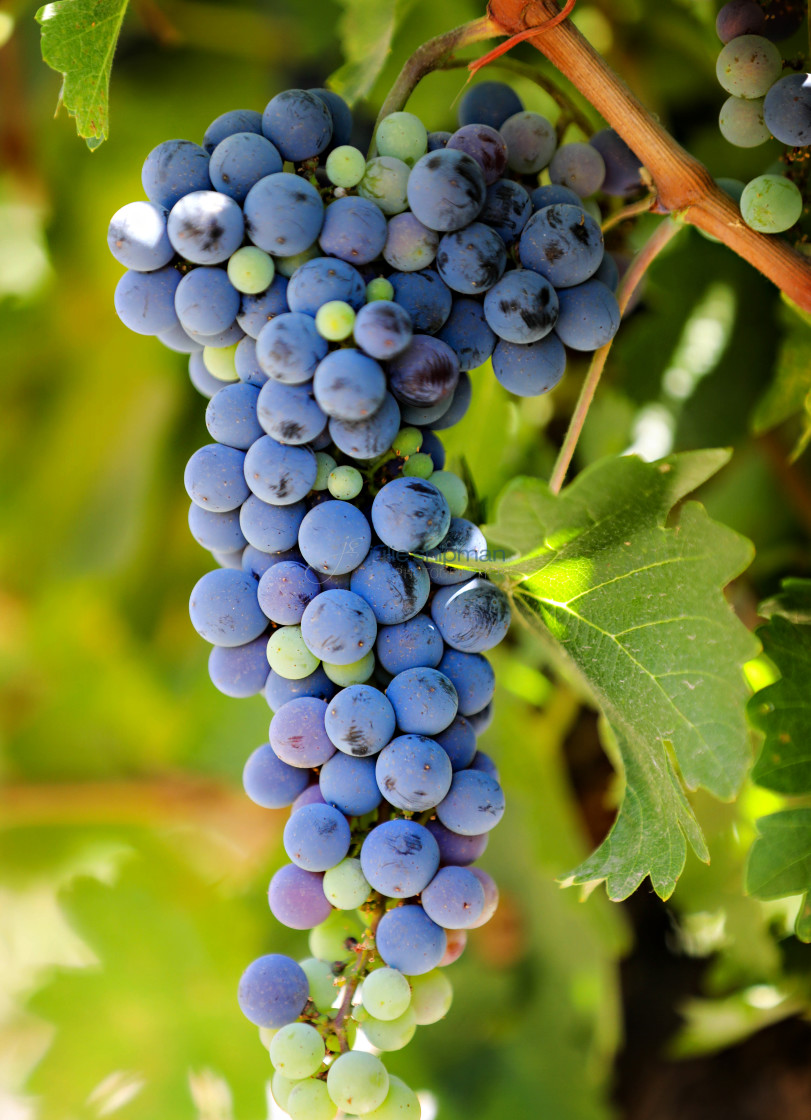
[132,869]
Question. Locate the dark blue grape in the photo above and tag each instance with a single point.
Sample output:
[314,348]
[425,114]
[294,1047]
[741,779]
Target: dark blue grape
[235,120]
[489,103]
[218,532]
[562,243]
[410,245]
[464,543]
[145,301]
[787,110]
[473,678]
[437,140]
[484,144]
[339,627]
[409,645]
[409,941]
[239,671]
[297,733]
[432,445]
[446,189]
[425,297]
[368,439]
[506,209]
[229,337]
[399,858]
[215,479]
[529,370]
[425,374]
[270,528]
[290,413]
[382,329]
[468,334]
[323,279]
[589,316]
[231,416]
[460,403]
[456,850]
[471,260]
[317,837]
[206,301]
[298,123]
[410,515]
[279,474]
[285,590]
[205,227]
[354,230]
[349,784]
[424,700]
[240,161]
[609,274]
[622,167]
[359,720]
[414,772]
[349,385]
[279,690]
[257,561]
[256,311]
[475,804]
[484,764]
[289,348]
[454,899]
[173,169]
[283,214]
[247,367]
[175,338]
[137,237]
[552,195]
[267,780]
[472,617]
[224,609]
[458,740]
[522,307]
[395,587]
[341,116]
[273,991]
[334,538]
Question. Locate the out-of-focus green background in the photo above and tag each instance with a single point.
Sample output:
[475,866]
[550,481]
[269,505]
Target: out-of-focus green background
[132,869]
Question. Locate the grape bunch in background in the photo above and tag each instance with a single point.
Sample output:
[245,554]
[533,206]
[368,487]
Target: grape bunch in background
[765,102]
[333,307]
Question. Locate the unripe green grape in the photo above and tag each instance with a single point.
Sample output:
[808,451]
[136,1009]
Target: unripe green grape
[328,941]
[297,1051]
[379,288]
[345,483]
[453,488]
[288,655]
[334,320]
[393,1034]
[356,673]
[321,979]
[748,66]
[286,266]
[345,166]
[403,136]
[220,362]
[345,885]
[266,1036]
[431,997]
[325,464]
[357,1082]
[419,466]
[385,184]
[386,994]
[281,1087]
[401,1103]
[771,204]
[408,441]
[251,270]
[741,122]
[310,1100]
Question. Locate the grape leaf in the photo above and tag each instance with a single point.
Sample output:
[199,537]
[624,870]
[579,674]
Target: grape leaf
[782,711]
[780,862]
[78,40]
[366,32]
[629,596]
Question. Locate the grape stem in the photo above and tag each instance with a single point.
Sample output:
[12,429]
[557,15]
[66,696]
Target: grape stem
[683,185]
[641,206]
[358,973]
[662,236]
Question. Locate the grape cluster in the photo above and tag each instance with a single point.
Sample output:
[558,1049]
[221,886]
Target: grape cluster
[763,103]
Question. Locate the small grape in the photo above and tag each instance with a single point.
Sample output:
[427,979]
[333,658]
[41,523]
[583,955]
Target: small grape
[310,1100]
[408,441]
[748,66]
[251,270]
[325,465]
[288,655]
[334,939]
[345,885]
[297,1051]
[386,994]
[334,320]
[345,166]
[419,466]
[345,483]
[393,1034]
[321,979]
[454,490]
[286,266]
[431,997]
[384,183]
[741,122]
[771,204]
[401,1103]
[220,361]
[267,1034]
[281,1087]
[403,136]
[357,1082]
[356,673]
[379,288]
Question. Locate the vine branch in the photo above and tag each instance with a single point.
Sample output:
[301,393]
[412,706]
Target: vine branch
[683,185]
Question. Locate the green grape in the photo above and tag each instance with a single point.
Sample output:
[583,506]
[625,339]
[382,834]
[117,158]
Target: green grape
[741,122]
[345,885]
[431,997]
[325,464]
[385,183]
[334,320]
[357,1082]
[748,66]
[310,1100]
[408,441]
[328,941]
[297,1051]
[286,266]
[281,1087]
[771,204]
[322,982]
[419,466]
[379,288]
[288,656]
[386,994]
[453,488]
[732,187]
[345,483]
[266,1036]
[400,1104]
[356,673]
[403,136]
[219,361]
[251,270]
[345,166]
[392,1034]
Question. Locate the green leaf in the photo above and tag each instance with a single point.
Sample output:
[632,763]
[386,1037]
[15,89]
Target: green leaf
[793,602]
[780,862]
[790,392]
[629,596]
[78,40]
[366,32]
[782,711]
